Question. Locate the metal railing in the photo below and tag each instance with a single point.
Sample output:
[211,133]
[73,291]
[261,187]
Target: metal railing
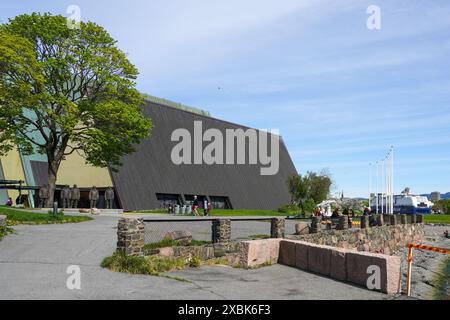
[201,228]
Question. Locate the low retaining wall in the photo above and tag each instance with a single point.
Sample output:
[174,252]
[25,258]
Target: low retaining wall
[336,263]
[385,239]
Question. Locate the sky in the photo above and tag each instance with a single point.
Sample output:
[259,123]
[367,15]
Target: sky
[340,94]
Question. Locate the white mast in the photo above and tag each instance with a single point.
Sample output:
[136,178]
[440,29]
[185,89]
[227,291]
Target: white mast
[377,198]
[370,184]
[383,185]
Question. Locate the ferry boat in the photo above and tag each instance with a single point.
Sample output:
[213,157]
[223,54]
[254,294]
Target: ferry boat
[406,203]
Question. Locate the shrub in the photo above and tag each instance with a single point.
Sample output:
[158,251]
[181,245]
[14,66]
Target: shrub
[5,231]
[153,265]
[195,262]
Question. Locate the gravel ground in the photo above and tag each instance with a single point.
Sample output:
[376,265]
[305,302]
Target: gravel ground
[427,265]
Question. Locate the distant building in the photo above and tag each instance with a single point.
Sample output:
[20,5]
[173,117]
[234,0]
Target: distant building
[435,196]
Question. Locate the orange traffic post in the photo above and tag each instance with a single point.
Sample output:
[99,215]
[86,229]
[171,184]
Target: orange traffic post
[413,246]
[408,279]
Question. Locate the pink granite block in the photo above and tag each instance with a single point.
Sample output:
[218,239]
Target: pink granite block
[301,255]
[338,264]
[287,253]
[259,252]
[319,259]
[358,264]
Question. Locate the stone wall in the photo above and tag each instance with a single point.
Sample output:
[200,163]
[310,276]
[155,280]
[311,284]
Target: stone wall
[131,236]
[385,239]
[221,231]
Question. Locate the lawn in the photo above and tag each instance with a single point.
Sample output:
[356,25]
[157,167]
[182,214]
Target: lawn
[241,213]
[437,218]
[20,216]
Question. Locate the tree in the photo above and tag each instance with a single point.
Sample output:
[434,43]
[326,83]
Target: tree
[309,189]
[442,206]
[65,90]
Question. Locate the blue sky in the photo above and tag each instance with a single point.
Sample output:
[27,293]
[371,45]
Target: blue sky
[340,94]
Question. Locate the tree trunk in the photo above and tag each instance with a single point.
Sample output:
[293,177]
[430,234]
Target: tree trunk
[52,177]
[303,208]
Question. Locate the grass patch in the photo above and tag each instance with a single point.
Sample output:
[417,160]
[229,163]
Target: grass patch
[442,282]
[156,211]
[243,213]
[4,231]
[438,218]
[153,265]
[16,217]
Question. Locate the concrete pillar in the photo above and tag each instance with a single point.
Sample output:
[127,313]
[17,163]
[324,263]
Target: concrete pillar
[277,228]
[221,231]
[365,222]
[131,236]
[404,219]
[316,226]
[380,220]
[413,219]
[343,223]
[393,220]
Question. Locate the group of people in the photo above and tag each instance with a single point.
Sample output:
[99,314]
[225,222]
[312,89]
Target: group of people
[70,197]
[207,207]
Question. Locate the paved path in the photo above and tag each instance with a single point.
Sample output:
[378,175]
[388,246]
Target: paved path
[33,264]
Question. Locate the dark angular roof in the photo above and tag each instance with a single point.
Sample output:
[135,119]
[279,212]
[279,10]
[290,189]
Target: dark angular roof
[150,169]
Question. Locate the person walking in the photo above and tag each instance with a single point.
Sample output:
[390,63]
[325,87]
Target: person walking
[195,206]
[205,207]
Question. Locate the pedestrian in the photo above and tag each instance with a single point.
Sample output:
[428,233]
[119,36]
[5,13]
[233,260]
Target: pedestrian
[10,202]
[205,207]
[195,206]
[210,207]
[336,213]
[317,213]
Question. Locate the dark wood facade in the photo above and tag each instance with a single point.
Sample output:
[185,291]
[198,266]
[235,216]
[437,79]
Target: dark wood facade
[150,171]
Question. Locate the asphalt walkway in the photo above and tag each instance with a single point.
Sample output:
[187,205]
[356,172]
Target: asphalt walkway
[34,261]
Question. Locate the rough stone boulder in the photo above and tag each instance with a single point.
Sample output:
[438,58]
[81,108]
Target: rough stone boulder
[301,228]
[182,236]
[2,221]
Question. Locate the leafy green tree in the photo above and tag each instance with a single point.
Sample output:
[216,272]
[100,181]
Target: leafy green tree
[310,189]
[442,206]
[65,90]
